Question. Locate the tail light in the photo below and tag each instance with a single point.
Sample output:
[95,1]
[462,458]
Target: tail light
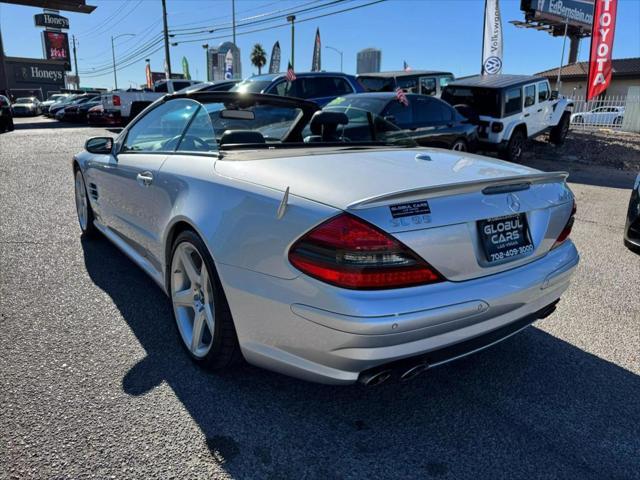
[566,231]
[116,100]
[351,253]
[497,127]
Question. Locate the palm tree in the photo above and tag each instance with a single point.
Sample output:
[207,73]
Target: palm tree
[258,57]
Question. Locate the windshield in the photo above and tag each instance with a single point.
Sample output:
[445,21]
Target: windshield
[270,120]
[484,101]
[26,100]
[363,102]
[251,86]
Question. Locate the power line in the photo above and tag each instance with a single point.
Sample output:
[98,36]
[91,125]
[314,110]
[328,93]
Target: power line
[272,16]
[240,12]
[141,51]
[204,39]
[105,21]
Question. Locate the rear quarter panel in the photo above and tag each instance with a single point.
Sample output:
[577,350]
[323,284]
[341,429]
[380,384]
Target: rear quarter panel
[236,219]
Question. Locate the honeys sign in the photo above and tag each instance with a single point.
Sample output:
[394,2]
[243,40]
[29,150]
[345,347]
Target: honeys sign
[51,20]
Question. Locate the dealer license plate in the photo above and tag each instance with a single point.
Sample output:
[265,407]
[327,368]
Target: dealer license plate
[505,238]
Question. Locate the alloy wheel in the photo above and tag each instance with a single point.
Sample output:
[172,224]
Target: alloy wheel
[82,206]
[459,146]
[192,298]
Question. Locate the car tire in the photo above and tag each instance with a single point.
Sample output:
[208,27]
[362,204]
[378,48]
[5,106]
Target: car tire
[83,207]
[199,302]
[513,151]
[559,132]
[617,121]
[578,119]
[460,145]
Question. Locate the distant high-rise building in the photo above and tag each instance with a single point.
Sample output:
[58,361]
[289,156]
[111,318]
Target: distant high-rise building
[369,60]
[218,68]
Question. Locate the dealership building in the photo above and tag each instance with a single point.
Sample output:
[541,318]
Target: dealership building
[34,76]
[625,73]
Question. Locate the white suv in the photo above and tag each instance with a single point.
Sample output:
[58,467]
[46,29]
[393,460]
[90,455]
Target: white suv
[509,109]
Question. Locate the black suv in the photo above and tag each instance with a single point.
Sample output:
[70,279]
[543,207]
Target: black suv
[6,115]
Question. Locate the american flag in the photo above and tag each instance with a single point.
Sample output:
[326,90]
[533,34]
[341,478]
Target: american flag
[291,75]
[401,97]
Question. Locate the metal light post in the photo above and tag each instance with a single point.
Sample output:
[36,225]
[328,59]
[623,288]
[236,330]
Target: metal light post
[336,50]
[292,19]
[113,55]
[206,59]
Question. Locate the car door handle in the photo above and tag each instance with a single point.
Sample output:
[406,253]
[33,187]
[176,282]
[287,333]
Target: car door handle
[145,178]
[539,110]
[526,114]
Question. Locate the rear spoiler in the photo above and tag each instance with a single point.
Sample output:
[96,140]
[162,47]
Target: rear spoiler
[496,185]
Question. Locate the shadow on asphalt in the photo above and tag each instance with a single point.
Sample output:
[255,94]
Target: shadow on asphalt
[39,124]
[533,406]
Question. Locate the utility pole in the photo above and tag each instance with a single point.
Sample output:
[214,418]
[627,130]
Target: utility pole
[167,56]
[292,19]
[206,60]
[75,61]
[233,19]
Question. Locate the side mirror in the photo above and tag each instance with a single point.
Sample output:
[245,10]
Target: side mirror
[555,94]
[99,145]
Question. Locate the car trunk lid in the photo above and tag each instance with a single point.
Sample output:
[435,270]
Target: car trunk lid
[431,200]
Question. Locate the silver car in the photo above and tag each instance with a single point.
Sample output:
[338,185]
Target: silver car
[282,241]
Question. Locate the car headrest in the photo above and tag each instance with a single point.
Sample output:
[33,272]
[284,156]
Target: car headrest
[325,119]
[241,136]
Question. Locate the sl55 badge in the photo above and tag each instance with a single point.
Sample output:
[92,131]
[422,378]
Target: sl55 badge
[412,213]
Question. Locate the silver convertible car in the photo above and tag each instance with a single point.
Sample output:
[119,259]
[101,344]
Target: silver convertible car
[323,244]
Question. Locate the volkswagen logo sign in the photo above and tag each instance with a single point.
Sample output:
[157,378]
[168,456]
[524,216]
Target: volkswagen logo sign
[492,65]
[513,202]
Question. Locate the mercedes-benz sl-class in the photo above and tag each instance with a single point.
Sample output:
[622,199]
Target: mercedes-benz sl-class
[282,241]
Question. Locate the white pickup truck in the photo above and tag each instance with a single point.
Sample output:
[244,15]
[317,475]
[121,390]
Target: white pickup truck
[123,106]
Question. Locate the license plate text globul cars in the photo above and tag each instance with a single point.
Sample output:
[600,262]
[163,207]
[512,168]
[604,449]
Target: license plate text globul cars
[505,237]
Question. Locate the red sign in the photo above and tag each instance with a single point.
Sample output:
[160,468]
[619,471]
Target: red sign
[604,26]
[56,45]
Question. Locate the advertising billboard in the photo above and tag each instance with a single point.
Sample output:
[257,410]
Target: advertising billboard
[56,45]
[578,13]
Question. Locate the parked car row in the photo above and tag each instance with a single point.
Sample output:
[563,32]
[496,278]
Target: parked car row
[491,112]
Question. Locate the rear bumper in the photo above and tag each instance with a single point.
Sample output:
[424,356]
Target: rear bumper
[316,332]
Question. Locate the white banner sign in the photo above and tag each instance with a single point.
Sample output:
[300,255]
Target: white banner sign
[492,42]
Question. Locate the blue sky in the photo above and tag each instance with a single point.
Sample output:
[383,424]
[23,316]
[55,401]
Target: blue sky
[428,34]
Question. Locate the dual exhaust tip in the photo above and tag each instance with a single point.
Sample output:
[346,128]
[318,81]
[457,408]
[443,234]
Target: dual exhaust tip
[380,376]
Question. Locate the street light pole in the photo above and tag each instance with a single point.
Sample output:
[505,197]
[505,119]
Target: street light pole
[113,56]
[336,50]
[292,19]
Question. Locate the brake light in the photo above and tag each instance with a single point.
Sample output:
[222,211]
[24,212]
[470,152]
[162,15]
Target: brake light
[351,253]
[566,231]
[116,100]
[497,127]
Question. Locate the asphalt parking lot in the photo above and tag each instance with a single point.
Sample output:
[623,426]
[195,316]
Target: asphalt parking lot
[94,383]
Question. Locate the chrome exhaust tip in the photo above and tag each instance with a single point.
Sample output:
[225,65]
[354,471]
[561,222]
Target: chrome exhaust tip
[371,379]
[413,372]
